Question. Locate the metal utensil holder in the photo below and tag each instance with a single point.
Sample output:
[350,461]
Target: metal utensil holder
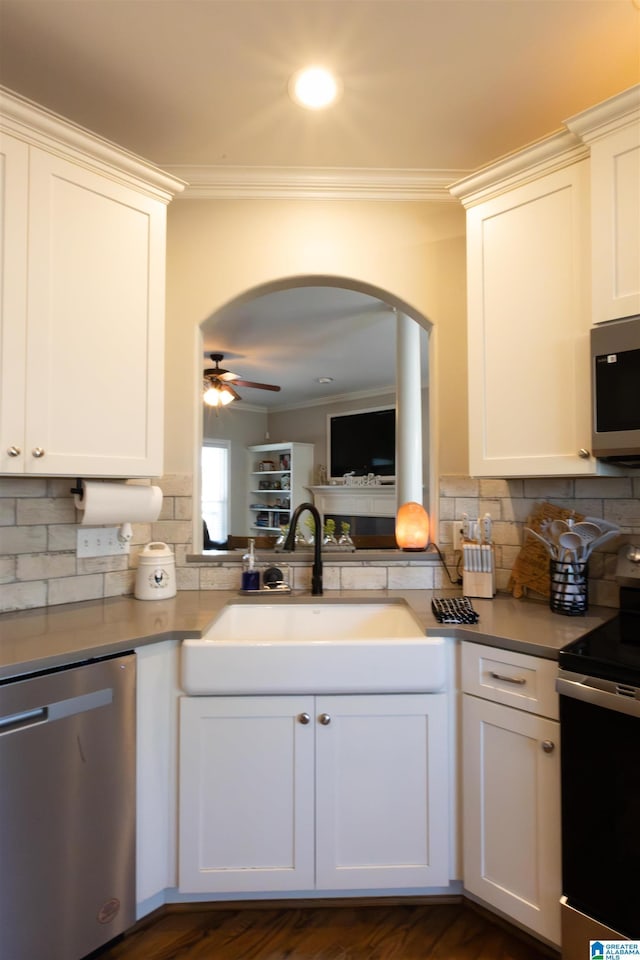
[569,587]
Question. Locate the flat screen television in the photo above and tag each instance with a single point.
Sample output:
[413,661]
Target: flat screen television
[362,442]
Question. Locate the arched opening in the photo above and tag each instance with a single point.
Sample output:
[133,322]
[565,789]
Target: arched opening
[331,343]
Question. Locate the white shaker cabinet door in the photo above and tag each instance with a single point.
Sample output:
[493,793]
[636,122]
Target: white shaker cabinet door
[246,794]
[382,795]
[615,212]
[14,188]
[511,813]
[528,334]
[94,323]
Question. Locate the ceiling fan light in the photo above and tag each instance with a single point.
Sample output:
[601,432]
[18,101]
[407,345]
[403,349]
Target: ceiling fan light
[217,394]
[211,396]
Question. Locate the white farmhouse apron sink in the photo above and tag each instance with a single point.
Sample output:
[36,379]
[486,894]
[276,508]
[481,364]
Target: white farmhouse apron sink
[314,645]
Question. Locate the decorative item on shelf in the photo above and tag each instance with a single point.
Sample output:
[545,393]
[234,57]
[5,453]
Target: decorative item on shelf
[370,480]
[266,465]
[345,535]
[330,533]
[285,461]
[285,483]
[310,523]
[321,475]
[412,526]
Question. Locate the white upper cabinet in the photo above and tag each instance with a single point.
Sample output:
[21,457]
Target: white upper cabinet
[553,244]
[612,130]
[528,314]
[83,270]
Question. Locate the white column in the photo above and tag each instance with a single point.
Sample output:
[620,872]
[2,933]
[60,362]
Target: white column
[408,411]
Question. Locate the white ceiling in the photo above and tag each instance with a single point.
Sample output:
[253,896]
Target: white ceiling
[428,84]
[436,86]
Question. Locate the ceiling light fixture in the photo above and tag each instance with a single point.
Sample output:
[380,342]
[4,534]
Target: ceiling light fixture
[314,88]
[324,379]
[218,394]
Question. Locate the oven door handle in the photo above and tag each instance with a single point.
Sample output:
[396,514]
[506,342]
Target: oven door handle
[620,702]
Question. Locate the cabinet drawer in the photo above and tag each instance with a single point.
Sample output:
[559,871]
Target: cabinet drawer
[514,679]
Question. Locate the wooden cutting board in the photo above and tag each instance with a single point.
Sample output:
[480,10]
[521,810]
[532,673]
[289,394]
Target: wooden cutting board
[531,569]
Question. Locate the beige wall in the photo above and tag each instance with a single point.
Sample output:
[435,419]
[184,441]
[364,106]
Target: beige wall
[413,254]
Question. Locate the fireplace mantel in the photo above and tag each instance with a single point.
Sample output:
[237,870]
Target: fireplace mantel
[356,501]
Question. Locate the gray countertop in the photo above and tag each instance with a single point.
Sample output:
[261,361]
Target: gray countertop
[48,637]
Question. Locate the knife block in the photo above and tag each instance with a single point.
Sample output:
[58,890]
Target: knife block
[480,584]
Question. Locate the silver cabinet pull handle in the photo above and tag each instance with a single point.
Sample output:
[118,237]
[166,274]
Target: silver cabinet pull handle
[548,746]
[14,451]
[324,719]
[37,452]
[303,718]
[583,453]
[520,681]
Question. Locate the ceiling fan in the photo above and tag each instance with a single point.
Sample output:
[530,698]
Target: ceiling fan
[222,382]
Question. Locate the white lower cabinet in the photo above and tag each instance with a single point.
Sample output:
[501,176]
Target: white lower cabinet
[313,793]
[156,780]
[511,787]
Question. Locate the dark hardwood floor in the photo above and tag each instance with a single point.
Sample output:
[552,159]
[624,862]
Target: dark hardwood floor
[396,932]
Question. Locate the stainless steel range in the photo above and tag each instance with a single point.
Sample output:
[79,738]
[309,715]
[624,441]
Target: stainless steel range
[599,687]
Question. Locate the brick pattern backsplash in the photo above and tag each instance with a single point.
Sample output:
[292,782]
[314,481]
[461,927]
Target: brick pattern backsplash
[39,522]
[510,502]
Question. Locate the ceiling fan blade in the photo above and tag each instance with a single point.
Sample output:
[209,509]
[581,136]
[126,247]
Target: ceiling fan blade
[249,383]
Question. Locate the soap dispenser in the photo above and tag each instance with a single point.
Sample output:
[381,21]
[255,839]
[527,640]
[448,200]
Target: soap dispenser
[250,573]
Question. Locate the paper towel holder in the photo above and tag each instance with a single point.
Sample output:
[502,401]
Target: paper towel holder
[125,532]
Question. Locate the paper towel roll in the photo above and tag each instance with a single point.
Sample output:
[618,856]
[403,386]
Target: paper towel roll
[118,503]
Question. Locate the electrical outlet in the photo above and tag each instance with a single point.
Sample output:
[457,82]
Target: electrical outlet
[457,535]
[100,542]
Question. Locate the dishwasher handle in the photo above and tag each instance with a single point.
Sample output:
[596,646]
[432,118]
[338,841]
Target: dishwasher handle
[619,697]
[58,710]
[18,721]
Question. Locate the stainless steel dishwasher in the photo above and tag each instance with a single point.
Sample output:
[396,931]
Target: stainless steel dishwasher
[67,810]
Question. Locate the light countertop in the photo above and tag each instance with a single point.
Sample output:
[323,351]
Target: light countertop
[48,637]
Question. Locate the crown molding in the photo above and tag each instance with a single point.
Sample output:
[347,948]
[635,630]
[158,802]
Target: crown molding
[605,118]
[39,127]
[541,157]
[314,183]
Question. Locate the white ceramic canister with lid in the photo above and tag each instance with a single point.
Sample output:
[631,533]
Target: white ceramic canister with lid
[156,576]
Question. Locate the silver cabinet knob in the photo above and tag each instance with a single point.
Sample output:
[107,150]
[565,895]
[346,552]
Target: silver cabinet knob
[324,719]
[548,746]
[583,453]
[37,452]
[303,718]
[14,451]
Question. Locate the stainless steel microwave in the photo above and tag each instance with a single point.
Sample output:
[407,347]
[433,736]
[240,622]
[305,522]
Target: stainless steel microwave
[615,371]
